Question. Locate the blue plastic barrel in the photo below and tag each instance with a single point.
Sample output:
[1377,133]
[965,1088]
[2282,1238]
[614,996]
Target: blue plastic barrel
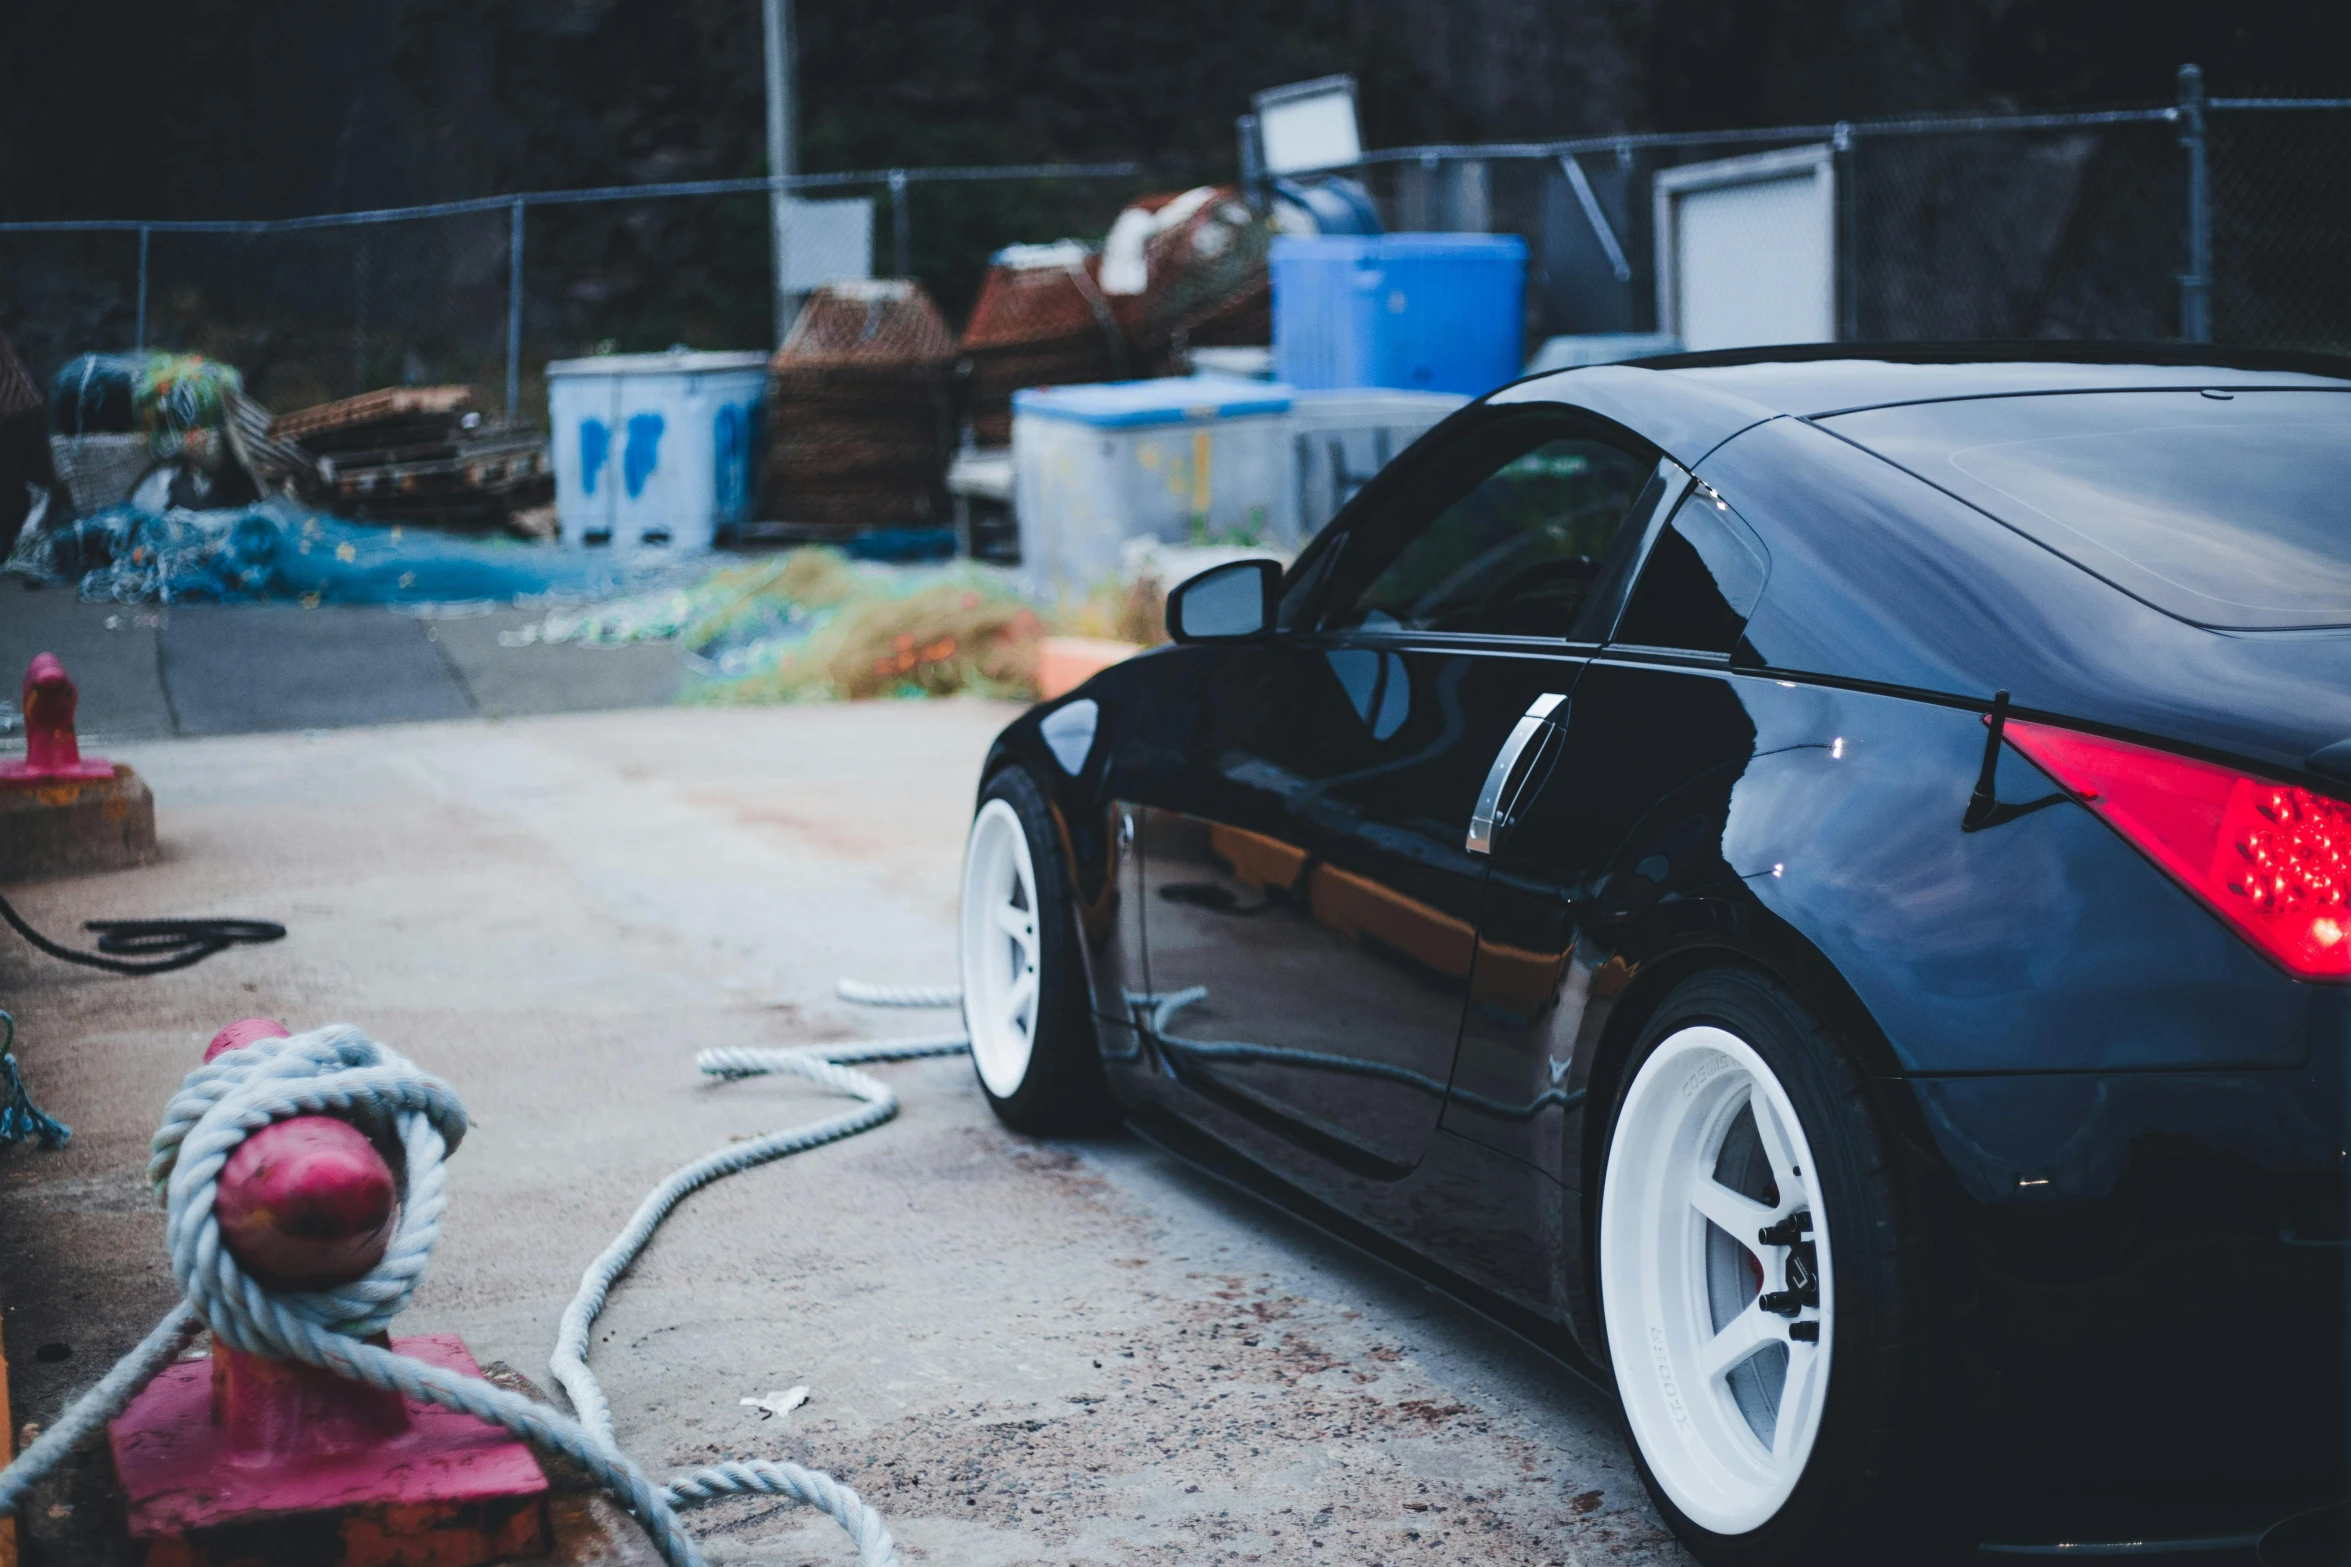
[1421,312]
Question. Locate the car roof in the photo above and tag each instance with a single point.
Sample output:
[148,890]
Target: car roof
[1690,403]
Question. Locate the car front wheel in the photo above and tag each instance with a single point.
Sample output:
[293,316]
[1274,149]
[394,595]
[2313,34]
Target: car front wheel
[1024,998]
[1763,1287]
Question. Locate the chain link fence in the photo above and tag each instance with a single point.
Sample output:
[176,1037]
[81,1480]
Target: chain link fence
[323,313]
[2221,219]
[2227,218]
[2063,231]
[319,308]
[2281,223]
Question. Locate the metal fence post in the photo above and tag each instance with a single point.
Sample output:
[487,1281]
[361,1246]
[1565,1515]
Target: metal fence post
[1251,157]
[2196,282]
[1848,263]
[139,332]
[900,244]
[514,313]
[358,314]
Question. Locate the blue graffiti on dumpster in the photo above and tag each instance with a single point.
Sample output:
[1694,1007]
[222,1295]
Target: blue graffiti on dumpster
[642,454]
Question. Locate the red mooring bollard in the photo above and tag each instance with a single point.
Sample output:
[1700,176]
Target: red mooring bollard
[247,1459]
[61,811]
[52,752]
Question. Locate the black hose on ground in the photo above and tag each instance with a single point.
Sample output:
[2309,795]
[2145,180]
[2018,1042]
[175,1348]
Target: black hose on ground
[165,945]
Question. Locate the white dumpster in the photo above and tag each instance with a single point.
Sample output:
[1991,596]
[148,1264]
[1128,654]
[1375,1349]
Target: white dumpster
[655,450]
[1202,459]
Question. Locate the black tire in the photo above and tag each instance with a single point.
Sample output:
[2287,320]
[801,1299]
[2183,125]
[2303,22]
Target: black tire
[1061,1089]
[1883,1482]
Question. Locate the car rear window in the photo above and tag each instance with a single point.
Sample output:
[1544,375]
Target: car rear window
[2227,509]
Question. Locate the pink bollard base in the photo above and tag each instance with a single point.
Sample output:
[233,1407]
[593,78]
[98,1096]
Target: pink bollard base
[318,1472]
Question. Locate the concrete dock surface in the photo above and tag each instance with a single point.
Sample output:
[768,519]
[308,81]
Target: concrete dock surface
[1020,1351]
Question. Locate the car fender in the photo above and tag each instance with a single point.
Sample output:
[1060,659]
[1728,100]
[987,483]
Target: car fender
[1668,905]
[1069,746]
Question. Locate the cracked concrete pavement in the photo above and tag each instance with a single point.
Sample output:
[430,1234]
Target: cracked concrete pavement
[1021,1352]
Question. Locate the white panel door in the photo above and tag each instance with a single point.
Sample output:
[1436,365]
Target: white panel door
[1747,250]
[826,241]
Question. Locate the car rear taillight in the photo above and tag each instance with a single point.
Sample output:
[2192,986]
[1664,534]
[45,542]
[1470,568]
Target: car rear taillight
[2271,859]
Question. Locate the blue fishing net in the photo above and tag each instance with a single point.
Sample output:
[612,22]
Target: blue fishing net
[276,550]
[20,1119]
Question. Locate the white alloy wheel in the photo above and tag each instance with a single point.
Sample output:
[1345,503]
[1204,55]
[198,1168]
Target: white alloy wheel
[1001,945]
[1710,1325]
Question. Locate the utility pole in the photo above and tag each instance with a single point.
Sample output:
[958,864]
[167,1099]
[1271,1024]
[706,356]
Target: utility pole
[781,158]
[2196,282]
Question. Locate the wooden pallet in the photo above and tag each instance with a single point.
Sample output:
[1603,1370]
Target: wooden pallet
[391,402]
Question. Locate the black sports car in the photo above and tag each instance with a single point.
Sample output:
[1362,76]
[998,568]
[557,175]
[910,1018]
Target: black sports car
[1818,881]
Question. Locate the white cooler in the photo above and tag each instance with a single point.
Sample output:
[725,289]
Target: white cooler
[1181,459]
[657,450]
[1339,439]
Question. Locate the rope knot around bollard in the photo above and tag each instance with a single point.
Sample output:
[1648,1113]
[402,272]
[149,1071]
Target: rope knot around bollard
[338,1071]
[334,1071]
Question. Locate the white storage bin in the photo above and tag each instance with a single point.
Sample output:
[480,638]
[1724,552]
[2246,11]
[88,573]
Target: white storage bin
[654,450]
[1176,459]
[1339,439]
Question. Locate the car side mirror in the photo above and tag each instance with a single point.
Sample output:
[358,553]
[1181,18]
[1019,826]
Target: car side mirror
[1228,603]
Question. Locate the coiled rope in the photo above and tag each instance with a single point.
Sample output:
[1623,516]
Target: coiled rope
[162,945]
[337,1070]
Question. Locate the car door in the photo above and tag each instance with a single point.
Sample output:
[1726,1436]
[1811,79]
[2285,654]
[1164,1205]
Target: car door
[1628,821]
[1311,896]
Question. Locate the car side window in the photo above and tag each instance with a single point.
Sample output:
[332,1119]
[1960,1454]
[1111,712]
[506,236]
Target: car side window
[1507,535]
[1702,579]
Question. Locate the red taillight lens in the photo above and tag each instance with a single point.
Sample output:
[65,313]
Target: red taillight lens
[2272,859]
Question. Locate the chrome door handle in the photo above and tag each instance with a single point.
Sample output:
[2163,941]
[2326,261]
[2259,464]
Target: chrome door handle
[1483,819]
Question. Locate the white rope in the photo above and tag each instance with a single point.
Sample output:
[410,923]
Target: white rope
[866,995]
[86,1416]
[818,1064]
[339,1071]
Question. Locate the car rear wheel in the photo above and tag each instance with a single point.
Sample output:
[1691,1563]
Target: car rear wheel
[1024,1001]
[1763,1288]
